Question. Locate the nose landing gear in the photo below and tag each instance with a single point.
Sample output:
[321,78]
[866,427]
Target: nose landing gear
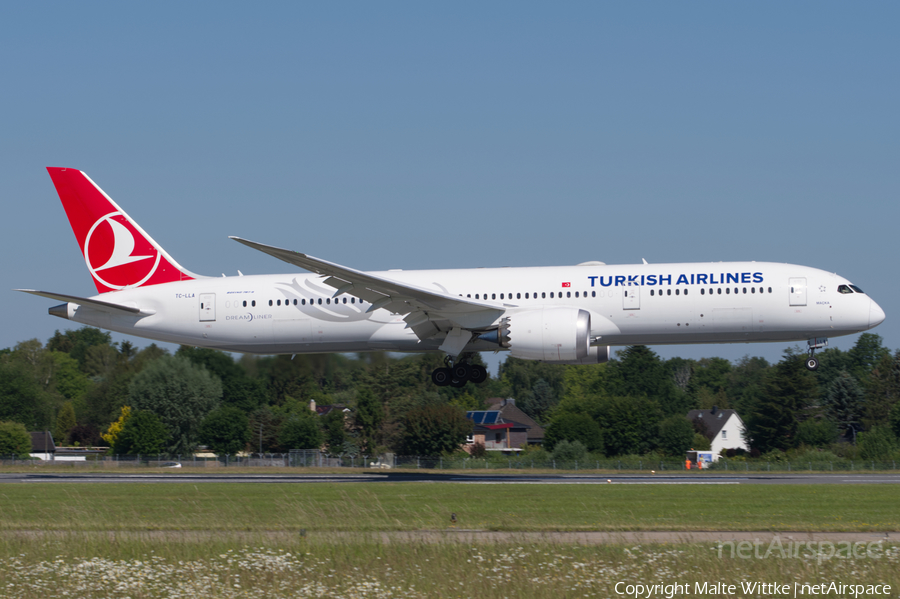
[458,374]
[818,343]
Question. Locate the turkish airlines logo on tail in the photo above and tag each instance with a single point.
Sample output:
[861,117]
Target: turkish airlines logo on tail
[116,253]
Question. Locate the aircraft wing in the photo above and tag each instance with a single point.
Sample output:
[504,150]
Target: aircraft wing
[83,301]
[419,304]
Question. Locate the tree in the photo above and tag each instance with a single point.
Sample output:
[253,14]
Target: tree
[369,415]
[844,402]
[65,422]
[569,426]
[895,420]
[816,433]
[115,429]
[433,430]
[77,342]
[640,373]
[569,451]
[882,390]
[22,399]
[14,440]
[225,430]
[143,433]
[300,431]
[181,394]
[865,354]
[675,435]
[333,423]
[789,390]
[629,424]
[877,443]
[538,401]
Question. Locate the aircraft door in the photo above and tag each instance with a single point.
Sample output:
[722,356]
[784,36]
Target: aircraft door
[631,298]
[798,291]
[207,307]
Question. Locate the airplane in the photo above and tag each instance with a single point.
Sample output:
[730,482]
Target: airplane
[562,315]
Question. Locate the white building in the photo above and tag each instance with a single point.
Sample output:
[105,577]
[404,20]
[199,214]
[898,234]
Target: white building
[724,428]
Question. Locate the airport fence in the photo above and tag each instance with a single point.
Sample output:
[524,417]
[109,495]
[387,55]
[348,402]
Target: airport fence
[318,459]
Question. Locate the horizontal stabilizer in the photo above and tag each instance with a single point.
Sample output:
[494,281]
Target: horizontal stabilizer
[83,301]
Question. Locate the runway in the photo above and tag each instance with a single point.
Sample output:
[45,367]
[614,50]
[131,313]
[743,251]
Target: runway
[424,476]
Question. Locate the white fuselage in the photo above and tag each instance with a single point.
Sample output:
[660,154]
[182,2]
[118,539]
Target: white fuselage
[629,304]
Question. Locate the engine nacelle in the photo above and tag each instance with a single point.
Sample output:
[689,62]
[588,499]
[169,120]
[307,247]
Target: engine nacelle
[597,354]
[550,334]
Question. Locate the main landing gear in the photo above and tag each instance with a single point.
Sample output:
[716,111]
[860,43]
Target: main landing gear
[458,374]
[811,362]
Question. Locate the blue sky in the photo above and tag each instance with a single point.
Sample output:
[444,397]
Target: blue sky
[425,135]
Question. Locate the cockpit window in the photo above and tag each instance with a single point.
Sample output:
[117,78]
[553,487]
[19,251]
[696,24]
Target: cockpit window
[844,289]
[856,289]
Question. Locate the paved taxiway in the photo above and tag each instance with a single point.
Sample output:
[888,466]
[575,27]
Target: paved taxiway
[435,477]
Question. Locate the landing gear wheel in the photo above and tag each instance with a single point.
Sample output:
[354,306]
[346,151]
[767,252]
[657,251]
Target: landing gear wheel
[462,372]
[441,377]
[812,363]
[458,383]
[479,374]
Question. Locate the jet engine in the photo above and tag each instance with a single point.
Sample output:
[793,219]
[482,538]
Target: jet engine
[560,335]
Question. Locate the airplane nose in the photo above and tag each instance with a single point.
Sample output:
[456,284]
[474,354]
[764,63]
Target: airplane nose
[876,314]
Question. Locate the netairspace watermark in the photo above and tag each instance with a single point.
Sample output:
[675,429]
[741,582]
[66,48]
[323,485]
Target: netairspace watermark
[753,589]
[817,550]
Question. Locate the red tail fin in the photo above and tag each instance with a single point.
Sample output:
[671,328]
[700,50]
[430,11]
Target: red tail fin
[118,253]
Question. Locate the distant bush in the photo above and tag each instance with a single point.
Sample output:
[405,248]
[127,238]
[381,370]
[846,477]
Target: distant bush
[817,433]
[876,444]
[14,440]
[569,451]
[701,443]
[478,451]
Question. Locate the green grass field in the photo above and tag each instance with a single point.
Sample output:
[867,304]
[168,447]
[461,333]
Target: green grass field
[366,507]
[216,540]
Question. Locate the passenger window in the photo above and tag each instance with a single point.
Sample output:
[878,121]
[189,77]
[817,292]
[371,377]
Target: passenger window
[685,291]
[278,302]
[303,302]
[728,290]
[735,290]
[677,291]
[702,291]
[526,296]
[253,303]
[753,290]
[551,295]
[544,294]
[593,294]
[352,300]
[651,292]
[493,296]
[345,300]
[501,296]
[719,291]
[568,294]
[320,301]
[476,296]
[518,296]
[770,290]
[668,292]
[576,294]
[245,303]
[745,290]
[270,302]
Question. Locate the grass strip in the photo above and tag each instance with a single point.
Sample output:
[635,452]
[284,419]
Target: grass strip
[369,507]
